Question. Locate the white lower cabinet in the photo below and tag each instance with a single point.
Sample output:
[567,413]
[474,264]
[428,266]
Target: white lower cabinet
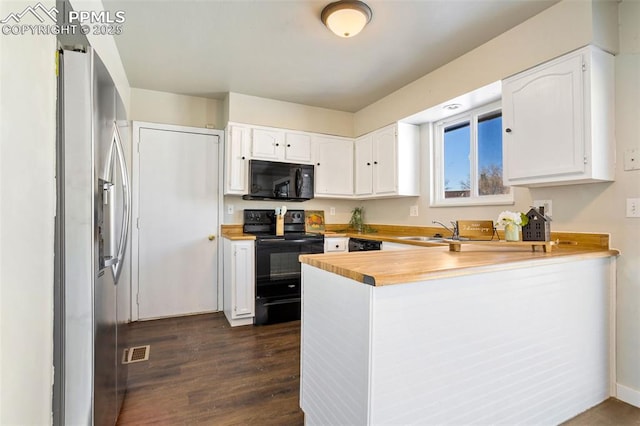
[336,244]
[397,246]
[239,281]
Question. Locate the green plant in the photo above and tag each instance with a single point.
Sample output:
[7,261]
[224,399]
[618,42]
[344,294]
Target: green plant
[357,221]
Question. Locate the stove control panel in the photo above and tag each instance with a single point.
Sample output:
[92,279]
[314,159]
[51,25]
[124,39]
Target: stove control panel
[266,217]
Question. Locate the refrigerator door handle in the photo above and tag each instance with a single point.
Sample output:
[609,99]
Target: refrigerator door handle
[118,151]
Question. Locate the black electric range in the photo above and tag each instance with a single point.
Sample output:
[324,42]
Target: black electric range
[277,271]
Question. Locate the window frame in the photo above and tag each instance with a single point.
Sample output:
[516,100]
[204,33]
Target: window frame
[437,161]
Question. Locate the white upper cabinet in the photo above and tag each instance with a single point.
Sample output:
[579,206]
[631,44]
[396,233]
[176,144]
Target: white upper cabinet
[279,145]
[363,179]
[387,162]
[297,147]
[237,159]
[333,160]
[267,144]
[558,121]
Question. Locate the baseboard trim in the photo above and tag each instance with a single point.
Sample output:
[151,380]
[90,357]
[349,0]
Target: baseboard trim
[628,395]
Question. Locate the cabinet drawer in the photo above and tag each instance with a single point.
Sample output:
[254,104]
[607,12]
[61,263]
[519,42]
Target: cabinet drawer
[335,244]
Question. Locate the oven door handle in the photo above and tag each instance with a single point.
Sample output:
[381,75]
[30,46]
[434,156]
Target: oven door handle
[283,301]
[279,242]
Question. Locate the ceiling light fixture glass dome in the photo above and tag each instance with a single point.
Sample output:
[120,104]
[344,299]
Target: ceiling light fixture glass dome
[346,18]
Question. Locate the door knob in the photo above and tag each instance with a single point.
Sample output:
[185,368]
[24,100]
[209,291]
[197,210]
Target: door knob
[212,237]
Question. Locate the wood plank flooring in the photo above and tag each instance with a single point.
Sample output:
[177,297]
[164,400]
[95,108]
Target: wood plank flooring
[201,371]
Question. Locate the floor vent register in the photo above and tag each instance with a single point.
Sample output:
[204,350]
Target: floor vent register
[136,354]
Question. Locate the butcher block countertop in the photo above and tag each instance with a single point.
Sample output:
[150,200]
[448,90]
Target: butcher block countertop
[433,260]
[380,268]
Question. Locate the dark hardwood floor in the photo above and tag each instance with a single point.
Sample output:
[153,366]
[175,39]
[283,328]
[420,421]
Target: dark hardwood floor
[202,371]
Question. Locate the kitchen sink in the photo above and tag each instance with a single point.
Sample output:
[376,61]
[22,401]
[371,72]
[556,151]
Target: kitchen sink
[422,238]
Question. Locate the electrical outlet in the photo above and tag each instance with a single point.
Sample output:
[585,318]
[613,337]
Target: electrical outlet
[633,207]
[230,209]
[547,204]
[413,211]
[332,211]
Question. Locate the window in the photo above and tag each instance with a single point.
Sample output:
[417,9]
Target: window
[467,160]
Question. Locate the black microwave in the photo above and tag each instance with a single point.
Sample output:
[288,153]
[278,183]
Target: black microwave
[271,180]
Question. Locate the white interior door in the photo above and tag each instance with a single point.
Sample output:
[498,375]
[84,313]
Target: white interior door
[178,212]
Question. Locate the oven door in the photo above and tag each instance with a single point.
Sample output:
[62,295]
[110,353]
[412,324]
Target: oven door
[278,267]
[278,280]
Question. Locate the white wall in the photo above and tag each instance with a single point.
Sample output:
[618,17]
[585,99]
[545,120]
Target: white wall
[343,208]
[288,115]
[169,108]
[27,160]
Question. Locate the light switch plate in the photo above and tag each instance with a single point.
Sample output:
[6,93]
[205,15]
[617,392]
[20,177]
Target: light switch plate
[631,159]
[633,207]
[229,208]
[413,211]
[332,211]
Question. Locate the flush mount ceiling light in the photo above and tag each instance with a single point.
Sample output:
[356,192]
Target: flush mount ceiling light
[452,107]
[346,18]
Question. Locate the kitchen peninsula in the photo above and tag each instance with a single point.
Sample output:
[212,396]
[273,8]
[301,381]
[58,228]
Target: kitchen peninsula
[486,335]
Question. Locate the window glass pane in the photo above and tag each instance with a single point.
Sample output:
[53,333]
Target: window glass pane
[457,182]
[490,155]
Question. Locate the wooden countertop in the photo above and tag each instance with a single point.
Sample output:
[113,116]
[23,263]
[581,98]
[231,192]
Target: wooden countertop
[433,260]
[234,233]
[379,268]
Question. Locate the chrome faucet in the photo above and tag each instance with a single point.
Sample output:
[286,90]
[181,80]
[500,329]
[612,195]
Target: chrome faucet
[453,229]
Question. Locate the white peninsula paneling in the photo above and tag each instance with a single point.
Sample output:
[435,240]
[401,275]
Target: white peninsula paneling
[527,345]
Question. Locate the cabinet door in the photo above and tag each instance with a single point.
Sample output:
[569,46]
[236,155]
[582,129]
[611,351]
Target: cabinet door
[297,148]
[243,280]
[267,144]
[334,166]
[385,172]
[237,145]
[543,121]
[363,180]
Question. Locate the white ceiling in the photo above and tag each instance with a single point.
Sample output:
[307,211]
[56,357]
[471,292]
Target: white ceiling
[280,49]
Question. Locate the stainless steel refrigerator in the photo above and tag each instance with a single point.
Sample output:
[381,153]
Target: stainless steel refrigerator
[92,226]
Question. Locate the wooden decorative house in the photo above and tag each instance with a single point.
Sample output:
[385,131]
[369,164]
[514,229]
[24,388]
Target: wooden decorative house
[539,226]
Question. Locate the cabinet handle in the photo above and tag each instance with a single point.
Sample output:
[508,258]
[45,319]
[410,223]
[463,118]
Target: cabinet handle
[317,164]
[243,157]
[337,245]
[288,145]
[368,164]
[508,130]
[375,162]
[277,144]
